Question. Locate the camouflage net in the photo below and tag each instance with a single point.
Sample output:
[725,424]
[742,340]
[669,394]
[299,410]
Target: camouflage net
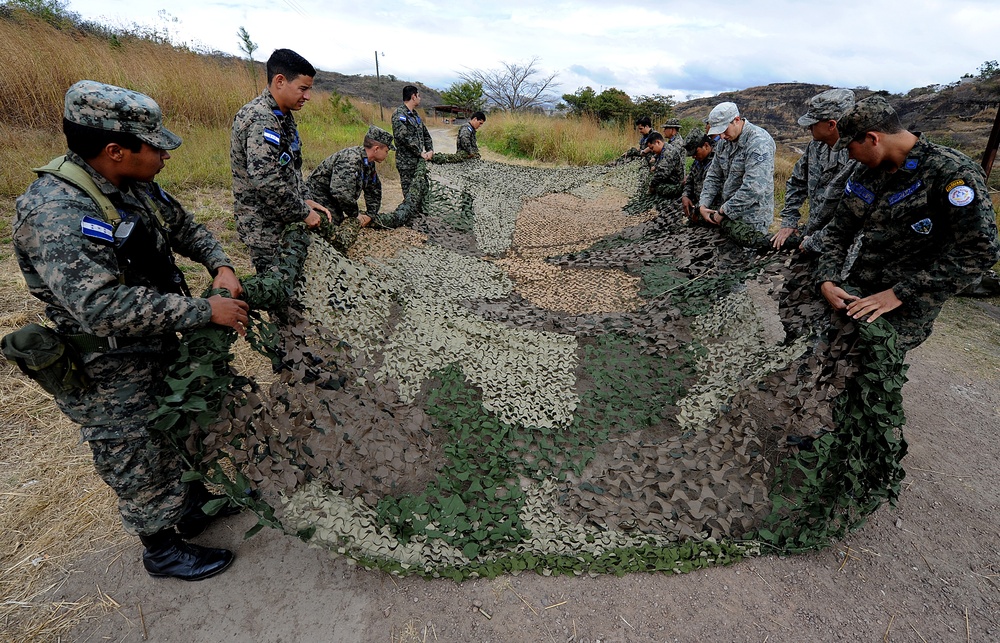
[527,377]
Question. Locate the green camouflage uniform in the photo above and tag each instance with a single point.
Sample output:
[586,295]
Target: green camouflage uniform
[742,176]
[696,179]
[412,139]
[928,230]
[467,142]
[268,190]
[677,141]
[819,175]
[340,180]
[667,178]
[77,277]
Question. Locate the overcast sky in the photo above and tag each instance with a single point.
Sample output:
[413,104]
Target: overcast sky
[684,49]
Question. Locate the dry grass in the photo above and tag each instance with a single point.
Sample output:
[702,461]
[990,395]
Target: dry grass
[573,141]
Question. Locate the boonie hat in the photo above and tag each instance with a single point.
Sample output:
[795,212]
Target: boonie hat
[116,109]
[829,105]
[720,117]
[865,116]
[379,135]
[674,123]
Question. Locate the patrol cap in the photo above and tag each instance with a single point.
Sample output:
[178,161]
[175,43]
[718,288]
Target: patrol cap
[673,122]
[115,109]
[695,140]
[865,116]
[379,135]
[829,105]
[720,117]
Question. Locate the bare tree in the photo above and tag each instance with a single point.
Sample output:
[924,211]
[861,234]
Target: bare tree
[514,86]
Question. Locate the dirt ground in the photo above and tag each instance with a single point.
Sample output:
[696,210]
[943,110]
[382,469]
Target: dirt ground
[927,570]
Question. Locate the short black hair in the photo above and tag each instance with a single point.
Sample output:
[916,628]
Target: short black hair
[653,137]
[409,91]
[644,120]
[289,64]
[478,116]
[88,142]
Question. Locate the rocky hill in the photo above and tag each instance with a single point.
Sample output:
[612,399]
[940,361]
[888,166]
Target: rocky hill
[960,115]
[389,93]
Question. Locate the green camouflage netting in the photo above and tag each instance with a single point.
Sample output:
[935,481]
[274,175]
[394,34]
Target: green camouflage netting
[529,377]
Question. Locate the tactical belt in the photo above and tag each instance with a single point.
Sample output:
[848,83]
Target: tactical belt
[87,343]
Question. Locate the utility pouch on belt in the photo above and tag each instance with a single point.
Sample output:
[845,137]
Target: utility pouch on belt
[44,356]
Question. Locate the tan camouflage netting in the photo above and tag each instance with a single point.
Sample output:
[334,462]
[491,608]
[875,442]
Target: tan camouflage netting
[527,377]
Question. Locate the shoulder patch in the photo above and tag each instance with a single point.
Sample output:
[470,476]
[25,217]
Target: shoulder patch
[284,159]
[923,226]
[899,196]
[859,191]
[954,184]
[272,137]
[97,229]
[911,163]
[402,118]
[961,195]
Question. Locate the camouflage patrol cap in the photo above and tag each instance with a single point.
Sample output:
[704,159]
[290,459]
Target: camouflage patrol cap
[673,122]
[115,109]
[720,117]
[865,116]
[379,135]
[696,139]
[829,105]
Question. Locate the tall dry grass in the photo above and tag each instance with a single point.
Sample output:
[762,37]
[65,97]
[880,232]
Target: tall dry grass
[575,141]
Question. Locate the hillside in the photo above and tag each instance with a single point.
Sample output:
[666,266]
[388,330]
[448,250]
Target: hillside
[960,115]
[368,89]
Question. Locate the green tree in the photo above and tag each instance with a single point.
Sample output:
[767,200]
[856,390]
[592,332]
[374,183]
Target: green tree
[989,69]
[467,94]
[614,105]
[248,46]
[581,102]
[656,106]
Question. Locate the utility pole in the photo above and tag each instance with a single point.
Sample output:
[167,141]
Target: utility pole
[378,80]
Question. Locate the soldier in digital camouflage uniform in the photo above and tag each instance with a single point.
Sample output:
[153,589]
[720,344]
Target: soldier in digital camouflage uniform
[339,181]
[927,224]
[667,172]
[266,160]
[466,144]
[413,141]
[741,174]
[114,295]
[672,135]
[820,174]
[700,147]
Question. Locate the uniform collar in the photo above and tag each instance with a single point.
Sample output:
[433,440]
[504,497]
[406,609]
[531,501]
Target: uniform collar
[105,186]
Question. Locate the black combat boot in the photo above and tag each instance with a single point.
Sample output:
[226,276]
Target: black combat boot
[167,556]
[194,521]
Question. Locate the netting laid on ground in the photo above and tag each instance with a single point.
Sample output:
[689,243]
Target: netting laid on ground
[527,376]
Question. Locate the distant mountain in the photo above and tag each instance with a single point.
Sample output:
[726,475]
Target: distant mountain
[960,115]
[389,92]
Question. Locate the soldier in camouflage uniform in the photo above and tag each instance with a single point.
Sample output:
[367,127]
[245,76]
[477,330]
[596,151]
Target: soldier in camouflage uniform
[820,174]
[928,226]
[413,141]
[700,147]
[742,172]
[93,237]
[672,135]
[340,180]
[666,180]
[467,144]
[266,160]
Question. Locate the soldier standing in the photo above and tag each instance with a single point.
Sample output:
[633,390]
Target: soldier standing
[820,174]
[467,136]
[925,216]
[413,141]
[266,160]
[342,178]
[742,172]
[93,237]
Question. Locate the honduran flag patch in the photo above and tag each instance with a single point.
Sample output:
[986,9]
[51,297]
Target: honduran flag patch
[97,229]
[272,137]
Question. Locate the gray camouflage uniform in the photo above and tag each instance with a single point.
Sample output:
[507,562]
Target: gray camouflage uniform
[77,277]
[742,175]
[667,179]
[695,180]
[819,175]
[268,190]
[340,180]
[412,139]
[467,141]
[929,230]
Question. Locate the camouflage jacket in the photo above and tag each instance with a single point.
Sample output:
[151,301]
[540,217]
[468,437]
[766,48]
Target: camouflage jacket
[266,161]
[63,248]
[820,176]
[928,230]
[341,179]
[467,141]
[696,179]
[742,176]
[410,134]
[667,178]
[678,142]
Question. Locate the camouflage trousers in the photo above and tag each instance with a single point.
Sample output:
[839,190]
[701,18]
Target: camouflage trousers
[144,472]
[407,166]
